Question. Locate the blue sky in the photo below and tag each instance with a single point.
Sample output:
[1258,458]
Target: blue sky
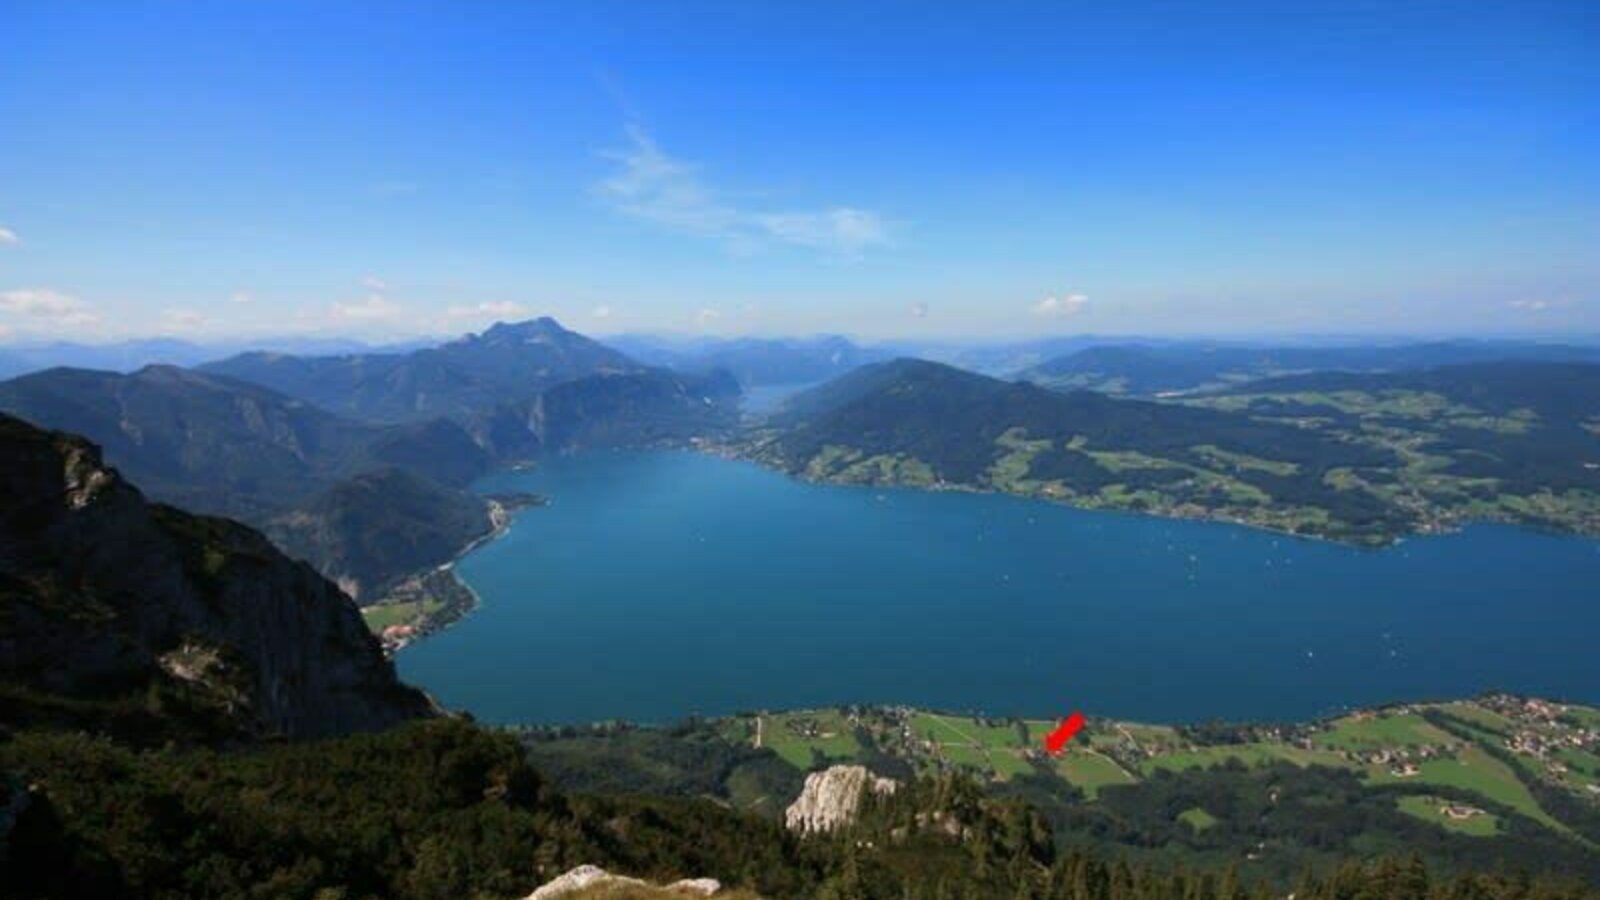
[993,169]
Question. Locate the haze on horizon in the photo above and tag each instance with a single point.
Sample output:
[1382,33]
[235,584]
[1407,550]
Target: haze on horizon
[1004,171]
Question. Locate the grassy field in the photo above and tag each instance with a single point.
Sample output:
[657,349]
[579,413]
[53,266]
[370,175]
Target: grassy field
[1373,732]
[1477,716]
[989,748]
[1477,771]
[1197,818]
[801,737]
[380,617]
[1257,754]
[1430,809]
[1089,771]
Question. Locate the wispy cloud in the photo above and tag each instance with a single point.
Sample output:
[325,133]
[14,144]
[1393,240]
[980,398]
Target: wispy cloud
[919,310]
[49,306]
[1062,306]
[650,185]
[501,309]
[7,236]
[374,283]
[706,317]
[601,312]
[375,308]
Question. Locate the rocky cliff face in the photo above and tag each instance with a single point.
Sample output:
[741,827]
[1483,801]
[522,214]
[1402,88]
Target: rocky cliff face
[831,798]
[123,615]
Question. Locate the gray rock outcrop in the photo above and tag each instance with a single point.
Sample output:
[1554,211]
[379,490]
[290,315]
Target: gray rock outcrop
[832,798]
[585,877]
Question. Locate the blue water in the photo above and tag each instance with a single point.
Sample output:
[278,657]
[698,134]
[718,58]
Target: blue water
[662,584]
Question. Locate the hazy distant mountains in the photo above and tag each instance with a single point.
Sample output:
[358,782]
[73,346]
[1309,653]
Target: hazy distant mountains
[126,356]
[1145,369]
[456,379]
[756,362]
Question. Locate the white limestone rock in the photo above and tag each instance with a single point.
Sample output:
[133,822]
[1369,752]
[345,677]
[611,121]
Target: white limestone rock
[590,876]
[831,798]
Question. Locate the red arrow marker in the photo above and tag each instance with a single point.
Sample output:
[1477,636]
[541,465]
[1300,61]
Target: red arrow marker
[1056,740]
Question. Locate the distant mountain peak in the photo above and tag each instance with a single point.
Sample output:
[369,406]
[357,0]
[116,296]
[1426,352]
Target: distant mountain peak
[543,326]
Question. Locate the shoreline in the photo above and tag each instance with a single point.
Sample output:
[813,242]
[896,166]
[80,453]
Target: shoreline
[1440,527]
[462,600]
[443,585]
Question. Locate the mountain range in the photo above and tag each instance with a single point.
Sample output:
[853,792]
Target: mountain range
[457,379]
[756,362]
[299,450]
[1186,367]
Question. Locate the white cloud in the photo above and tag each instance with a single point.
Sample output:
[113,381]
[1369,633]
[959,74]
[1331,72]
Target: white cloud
[7,236]
[241,297]
[601,312]
[1061,307]
[52,306]
[654,187]
[504,309]
[374,283]
[374,308]
[919,310]
[1529,305]
[841,231]
[706,316]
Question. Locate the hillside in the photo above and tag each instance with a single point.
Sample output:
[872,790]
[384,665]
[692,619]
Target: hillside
[1186,367]
[604,411]
[1498,781]
[456,379]
[222,446]
[925,424]
[143,620]
[1363,458]
[1506,441]
[367,531]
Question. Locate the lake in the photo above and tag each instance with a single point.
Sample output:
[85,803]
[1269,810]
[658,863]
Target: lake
[661,584]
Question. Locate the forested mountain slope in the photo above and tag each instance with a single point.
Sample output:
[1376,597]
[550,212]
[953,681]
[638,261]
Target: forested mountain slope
[121,615]
[219,445]
[1355,457]
[927,424]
